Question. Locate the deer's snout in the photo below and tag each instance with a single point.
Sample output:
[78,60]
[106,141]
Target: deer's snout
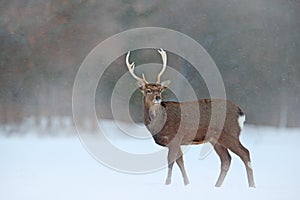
[157,99]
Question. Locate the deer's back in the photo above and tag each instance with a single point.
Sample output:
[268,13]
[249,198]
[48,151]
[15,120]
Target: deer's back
[192,119]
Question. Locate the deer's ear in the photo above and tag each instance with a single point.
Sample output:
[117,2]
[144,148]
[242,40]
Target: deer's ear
[165,84]
[141,85]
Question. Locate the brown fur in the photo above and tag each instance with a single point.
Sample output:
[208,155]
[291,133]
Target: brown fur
[173,124]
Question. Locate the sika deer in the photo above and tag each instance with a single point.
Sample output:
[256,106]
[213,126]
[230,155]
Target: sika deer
[172,124]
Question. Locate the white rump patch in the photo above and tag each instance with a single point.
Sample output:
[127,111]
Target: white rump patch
[241,121]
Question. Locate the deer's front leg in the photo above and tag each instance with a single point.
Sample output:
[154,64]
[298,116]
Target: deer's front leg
[172,156]
[180,163]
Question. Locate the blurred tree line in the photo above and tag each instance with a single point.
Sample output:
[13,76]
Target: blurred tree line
[255,45]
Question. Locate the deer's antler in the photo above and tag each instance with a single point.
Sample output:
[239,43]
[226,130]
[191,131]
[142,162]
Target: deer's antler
[164,59]
[131,69]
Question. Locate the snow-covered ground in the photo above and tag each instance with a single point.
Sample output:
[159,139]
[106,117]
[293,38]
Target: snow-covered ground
[33,167]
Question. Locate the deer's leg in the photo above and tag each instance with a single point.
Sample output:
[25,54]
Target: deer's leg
[244,154]
[225,162]
[180,163]
[172,156]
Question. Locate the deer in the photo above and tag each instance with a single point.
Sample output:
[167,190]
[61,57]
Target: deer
[164,119]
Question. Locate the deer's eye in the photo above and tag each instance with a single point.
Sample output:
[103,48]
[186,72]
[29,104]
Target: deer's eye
[148,91]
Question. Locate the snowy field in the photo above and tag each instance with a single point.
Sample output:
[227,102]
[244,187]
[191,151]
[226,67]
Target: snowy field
[34,167]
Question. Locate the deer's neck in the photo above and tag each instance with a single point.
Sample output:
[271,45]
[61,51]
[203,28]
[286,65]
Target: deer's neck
[154,117]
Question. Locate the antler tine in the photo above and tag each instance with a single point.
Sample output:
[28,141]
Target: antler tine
[131,69]
[164,59]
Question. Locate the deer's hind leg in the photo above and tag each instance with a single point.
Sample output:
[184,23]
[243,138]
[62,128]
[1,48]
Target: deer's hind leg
[244,154]
[225,162]
[236,147]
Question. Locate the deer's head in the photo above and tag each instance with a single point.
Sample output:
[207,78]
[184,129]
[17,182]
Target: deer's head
[151,91]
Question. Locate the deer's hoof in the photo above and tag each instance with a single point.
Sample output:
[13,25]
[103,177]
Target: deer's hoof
[168,182]
[186,182]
